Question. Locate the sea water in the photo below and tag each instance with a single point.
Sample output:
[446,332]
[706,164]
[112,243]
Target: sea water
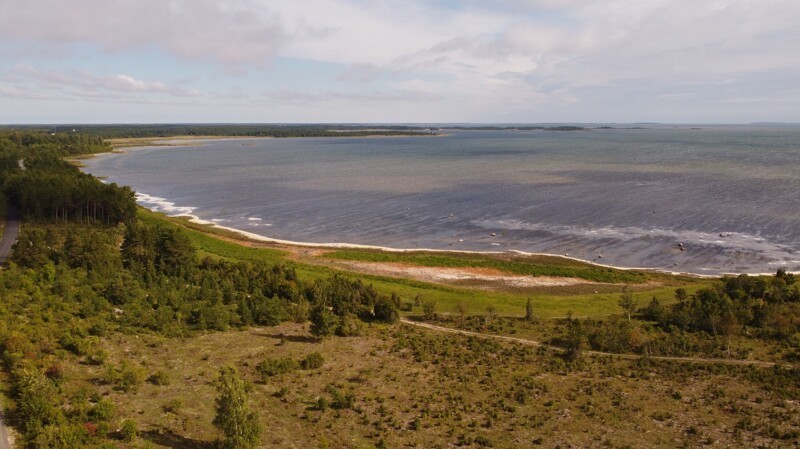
[701,199]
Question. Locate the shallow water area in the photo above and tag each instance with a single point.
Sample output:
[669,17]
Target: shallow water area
[719,199]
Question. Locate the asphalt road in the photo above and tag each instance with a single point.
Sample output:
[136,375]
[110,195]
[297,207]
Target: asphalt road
[4,444]
[10,234]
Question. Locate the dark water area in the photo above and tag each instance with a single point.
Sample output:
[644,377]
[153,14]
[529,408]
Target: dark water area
[718,199]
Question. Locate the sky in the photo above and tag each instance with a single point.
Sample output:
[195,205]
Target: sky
[399,61]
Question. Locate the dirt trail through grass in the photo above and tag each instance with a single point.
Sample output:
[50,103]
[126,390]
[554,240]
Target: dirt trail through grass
[539,344]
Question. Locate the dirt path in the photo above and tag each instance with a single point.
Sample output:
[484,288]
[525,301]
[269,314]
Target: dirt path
[539,344]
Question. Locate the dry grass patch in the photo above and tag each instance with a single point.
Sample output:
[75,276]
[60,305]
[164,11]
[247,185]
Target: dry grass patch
[415,388]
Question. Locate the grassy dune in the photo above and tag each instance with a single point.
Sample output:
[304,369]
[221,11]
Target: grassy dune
[551,302]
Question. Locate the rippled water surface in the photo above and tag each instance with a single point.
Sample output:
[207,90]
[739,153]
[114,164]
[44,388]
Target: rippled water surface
[709,200]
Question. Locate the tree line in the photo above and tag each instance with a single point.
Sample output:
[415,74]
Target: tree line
[39,184]
[239,130]
[706,322]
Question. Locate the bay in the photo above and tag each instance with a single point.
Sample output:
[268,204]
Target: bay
[699,199]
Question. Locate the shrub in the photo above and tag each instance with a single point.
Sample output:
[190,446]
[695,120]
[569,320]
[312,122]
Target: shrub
[339,400]
[349,326]
[96,356]
[130,377]
[99,329]
[159,378]
[481,440]
[280,394]
[313,361]
[55,372]
[172,406]
[55,436]
[429,309]
[273,367]
[323,321]
[129,431]
[36,400]
[102,411]
[110,375]
[385,310]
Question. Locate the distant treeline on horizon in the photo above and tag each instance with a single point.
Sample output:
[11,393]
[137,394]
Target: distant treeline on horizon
[254,130]
[119,131]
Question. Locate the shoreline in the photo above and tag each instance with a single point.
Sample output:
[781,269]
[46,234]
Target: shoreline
[185,212]
[120,144]
[180,141]
[343,245]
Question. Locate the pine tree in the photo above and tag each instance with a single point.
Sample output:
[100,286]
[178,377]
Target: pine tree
[323,321]
[239,425]
[529,311]
[575,339]
[627,302]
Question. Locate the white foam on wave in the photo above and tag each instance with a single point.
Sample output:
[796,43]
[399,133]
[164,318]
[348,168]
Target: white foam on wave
[163,205]
[158,204]
[730,240]
[253,219]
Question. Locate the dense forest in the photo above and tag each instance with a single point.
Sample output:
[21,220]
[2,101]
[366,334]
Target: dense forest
[39,184]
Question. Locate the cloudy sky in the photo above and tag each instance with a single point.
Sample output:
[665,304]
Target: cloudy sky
[501,61]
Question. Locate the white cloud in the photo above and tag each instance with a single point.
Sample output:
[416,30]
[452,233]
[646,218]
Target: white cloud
[18,92]
[87,85]
[317,97]
[230,32]
[525,58]
[360,73]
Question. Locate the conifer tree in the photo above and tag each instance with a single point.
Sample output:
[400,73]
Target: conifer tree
[234,418]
